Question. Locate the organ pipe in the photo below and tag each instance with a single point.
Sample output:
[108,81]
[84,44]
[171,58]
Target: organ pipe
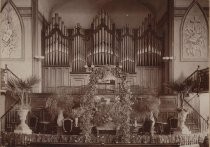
[56,44]
[103,44]
[127,50]
[149,44]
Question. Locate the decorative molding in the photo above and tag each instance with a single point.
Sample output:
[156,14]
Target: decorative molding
[194,34]
[12,33]
[180,11]
[25,11]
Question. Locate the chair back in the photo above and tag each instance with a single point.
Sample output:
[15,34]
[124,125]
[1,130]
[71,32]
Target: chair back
[173,123]
[67,125]
[147,125]
[33,121]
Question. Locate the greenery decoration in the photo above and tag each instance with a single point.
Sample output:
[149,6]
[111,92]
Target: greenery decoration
[95,114]
[147,109]
[63,101]
[143,108]
[12,139]
[20,88]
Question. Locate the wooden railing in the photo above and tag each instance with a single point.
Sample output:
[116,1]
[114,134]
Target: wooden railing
[105,90]
[9,119]
[199,80]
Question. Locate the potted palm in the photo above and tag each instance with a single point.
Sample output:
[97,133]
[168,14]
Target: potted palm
[21,89]
[182,90]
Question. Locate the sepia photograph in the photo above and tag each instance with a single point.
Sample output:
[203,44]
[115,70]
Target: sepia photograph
[115,73]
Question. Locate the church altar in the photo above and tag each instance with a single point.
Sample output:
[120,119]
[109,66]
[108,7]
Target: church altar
[13,139]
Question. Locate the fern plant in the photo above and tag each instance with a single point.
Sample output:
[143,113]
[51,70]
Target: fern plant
[182,89]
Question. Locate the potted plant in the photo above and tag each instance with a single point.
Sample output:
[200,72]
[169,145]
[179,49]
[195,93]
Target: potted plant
[21,89]
[147,109]
[63,104]
[182,89]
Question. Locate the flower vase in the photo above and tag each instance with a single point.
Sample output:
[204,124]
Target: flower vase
[60,118]
[76,122]
[23,127]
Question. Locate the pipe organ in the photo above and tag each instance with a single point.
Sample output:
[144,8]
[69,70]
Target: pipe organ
[56,51]
[78,47]
[149,46]
[127,50]
[71,50]
[56,46]
[104,52]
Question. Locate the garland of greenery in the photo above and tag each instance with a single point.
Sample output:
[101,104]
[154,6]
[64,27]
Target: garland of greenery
[120,110]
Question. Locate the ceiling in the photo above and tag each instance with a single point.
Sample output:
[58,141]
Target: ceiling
[122,12]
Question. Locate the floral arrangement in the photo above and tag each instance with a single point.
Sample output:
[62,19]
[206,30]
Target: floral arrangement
[62,101]
[142,108]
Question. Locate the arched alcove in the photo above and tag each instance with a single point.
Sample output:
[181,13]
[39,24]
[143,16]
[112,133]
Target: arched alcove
[11,32]
[194,34]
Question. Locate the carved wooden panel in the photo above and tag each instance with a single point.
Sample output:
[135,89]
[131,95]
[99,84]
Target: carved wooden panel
[194,33]
[11,35]
[168,103]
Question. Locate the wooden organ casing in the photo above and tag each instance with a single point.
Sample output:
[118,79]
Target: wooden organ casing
[68,51]
[56,51]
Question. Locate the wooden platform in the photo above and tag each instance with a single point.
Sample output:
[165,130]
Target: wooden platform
[99,145]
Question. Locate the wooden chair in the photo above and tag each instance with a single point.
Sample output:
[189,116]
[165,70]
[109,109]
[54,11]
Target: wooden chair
[67,125]
[33,122]
[173,124]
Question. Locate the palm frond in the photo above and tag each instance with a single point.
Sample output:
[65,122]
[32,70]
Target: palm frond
[181,87]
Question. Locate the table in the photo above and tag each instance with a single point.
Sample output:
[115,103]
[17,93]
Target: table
[160,127]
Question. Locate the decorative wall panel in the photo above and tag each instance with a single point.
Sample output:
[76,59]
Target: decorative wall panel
[11,41]
[194,31]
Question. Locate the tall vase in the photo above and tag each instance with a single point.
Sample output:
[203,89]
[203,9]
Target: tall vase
[23,127]
[76,122]
[60,118]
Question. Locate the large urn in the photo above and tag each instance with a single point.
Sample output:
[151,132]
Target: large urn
[182,128]
[23,127]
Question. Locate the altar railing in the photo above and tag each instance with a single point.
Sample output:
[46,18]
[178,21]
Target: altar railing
[23,139]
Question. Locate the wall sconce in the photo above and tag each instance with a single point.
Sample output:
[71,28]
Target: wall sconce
[168,58]
[39,57]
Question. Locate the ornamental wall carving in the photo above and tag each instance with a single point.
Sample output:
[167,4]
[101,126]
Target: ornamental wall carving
[11,36]
[194,35]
